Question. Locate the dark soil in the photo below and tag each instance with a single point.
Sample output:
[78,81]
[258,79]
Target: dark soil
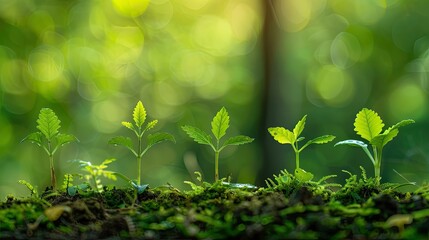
[291,210]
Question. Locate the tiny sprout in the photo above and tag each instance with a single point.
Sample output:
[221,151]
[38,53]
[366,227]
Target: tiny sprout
[220,124]
[49,138]
[285,136]
[139,117]
[95,171]
[369,126]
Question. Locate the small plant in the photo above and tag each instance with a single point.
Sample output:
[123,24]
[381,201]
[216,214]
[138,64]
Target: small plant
[139,117]
[220,124]
[95,171]
[49,138]
[285,136]
[369,126]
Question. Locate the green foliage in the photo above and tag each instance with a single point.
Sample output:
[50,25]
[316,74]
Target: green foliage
[139,117]
[285,136]
[49,138]
[369,126]
[95,171]
[31,188]
[220,125]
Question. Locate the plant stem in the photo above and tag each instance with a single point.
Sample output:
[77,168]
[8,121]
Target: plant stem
[216,165]
[297,159]
[139,159]
[51,166]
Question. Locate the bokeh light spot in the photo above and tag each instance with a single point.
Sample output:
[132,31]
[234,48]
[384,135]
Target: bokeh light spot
[214,35]
[46,63]
[407,100]
[293,16]
[345,50]
[130,8]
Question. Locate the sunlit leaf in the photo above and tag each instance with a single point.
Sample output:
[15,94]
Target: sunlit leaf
[282,135]
[48,123]
[151,125]
[368,124]
[220,123]
[302,175]
[299,127]
[237,140]
[128,125]
[35,137]
[65,138]
[198,135]
[122,141]
[382,139]
[156,138]
[321,140]
[139,114]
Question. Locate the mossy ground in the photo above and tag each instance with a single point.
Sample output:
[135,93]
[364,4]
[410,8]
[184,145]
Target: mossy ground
[288,210]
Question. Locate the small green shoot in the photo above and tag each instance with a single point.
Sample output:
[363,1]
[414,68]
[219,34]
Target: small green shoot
[285,136]
[95,171]
[369,126]
[220,124]
[139,117]
[49,137]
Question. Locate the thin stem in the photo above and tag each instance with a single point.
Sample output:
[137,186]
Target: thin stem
[297,159]
[216,165]
[51,166]
[139,159]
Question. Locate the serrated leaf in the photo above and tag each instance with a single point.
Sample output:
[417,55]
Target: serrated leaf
[198,135]
[122,141]
[35,137]
[151,125]
[65,138]
[368,124]
[351,142]
[299,127]
[302,175]
[139,114]
[238,140]
[382,139]
[156,138]
[282,135]
[48,123]
[128,125]
[220,123]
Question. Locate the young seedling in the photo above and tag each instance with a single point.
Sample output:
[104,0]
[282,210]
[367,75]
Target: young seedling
[49,138]
[95,171]
[369,126]
[139,117]
[220,124]
[285,136]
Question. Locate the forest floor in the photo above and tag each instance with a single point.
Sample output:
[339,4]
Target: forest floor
[287,209]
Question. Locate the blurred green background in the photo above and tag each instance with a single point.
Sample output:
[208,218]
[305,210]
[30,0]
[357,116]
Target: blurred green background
[267,62]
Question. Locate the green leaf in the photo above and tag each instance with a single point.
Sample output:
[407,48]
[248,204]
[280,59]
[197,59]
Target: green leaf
[35,137]
[158,138]
[237,140]
[368,124]
[382,139]
[321,140]
[48,123]
[299,127]
[123,141]
[139,114]
[198,135]
[151,125]
[351,142]
[402,124]
[302,175]
[282,135]
[220,123]
[128,125]
[65,138]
